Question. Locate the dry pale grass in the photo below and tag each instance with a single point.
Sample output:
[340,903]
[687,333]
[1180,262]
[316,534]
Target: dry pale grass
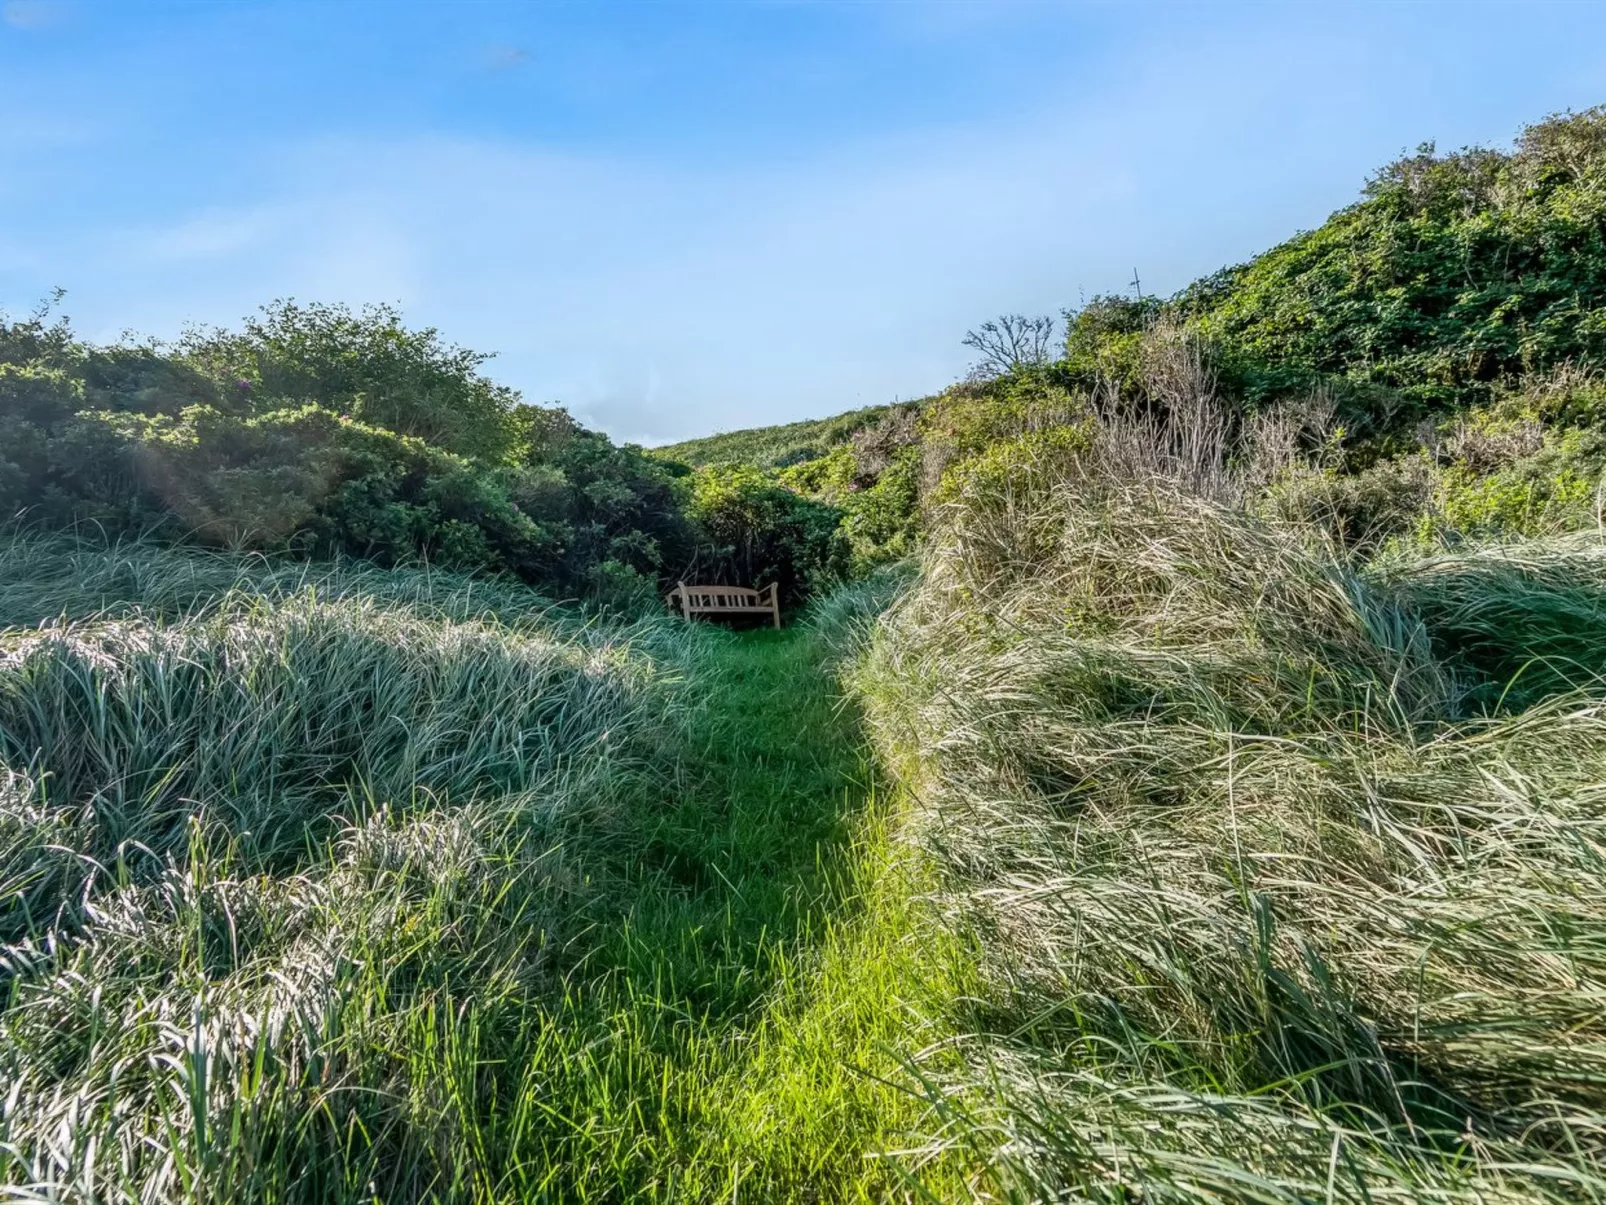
[1265,909]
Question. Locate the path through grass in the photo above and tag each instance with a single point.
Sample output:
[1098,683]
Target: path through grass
[758,959]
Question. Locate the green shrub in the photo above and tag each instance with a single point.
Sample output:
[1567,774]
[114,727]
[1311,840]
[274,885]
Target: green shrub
[1554,489]
[1455,272]
[367,365]
[760,532]
[324,431]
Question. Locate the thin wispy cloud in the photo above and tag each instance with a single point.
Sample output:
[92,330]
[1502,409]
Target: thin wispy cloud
[505,58]
[34,14]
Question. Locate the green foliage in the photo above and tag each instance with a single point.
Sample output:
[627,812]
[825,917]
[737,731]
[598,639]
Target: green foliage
[1455,272]
[1554,489]
[321,431]
[367,365]
[772,447]
[1103,341]
[763,533]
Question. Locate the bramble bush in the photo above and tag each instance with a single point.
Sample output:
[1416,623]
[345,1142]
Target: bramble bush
[760,532]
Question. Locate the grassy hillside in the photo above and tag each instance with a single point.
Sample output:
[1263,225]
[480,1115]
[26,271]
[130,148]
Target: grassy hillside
[771,447]
[1442,339]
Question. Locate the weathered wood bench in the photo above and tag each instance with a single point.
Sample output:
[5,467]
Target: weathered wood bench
[726,600]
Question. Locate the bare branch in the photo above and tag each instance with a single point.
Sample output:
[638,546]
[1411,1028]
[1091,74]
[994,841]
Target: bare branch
[1010,342]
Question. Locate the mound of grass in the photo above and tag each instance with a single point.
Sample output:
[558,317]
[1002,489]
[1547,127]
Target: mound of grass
[281,874]
[1522,620]
[48,577]
[1258,914]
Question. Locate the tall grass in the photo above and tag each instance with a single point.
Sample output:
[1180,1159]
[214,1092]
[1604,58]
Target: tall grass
[1521,620]
[1212,865]
[283,873]
[1262,909]
[48,577]
[325,883]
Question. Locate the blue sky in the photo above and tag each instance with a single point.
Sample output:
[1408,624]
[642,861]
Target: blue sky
[681,218]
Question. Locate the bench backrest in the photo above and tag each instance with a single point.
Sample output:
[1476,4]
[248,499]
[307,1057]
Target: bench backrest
[725,600]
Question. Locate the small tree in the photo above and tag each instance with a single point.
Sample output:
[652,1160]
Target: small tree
[1010,342]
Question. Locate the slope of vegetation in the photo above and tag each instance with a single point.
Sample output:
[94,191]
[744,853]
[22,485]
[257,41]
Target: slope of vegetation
[1444,336]
[771,447]
[1275,893]
[320,432]
[355,884]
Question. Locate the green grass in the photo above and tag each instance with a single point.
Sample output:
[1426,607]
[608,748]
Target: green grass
[772,447]
[1265,907]
[1143,849]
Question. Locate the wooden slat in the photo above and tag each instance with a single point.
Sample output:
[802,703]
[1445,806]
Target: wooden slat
[725,600]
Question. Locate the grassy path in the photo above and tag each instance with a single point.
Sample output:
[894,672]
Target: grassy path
[753,961]
[739,863]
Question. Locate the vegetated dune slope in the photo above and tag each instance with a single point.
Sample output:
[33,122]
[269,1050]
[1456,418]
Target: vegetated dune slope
[771,446]
[1283,873]
[322,882]
[1215,815]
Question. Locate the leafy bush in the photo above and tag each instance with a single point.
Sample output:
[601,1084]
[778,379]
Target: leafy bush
[1455,272]
[367,365]
[763,533]
[321,431]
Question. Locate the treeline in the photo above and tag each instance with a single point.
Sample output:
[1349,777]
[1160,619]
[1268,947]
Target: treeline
[320,431]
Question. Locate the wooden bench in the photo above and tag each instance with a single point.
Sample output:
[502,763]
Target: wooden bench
[726,600]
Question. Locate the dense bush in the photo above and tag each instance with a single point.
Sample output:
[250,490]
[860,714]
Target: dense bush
[761,533]
[318,430]
[1456,271]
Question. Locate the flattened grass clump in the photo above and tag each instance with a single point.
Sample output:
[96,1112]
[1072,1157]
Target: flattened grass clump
[50,577]
[266,717]
[1521,620]
[1261,913]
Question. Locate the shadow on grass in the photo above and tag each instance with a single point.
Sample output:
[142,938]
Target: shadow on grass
[743,857]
